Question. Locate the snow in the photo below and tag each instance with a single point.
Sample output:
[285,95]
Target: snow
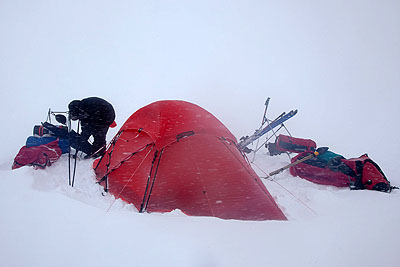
[336,62]
[45,222]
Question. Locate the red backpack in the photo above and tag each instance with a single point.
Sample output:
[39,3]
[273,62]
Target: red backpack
[334,169]
[37,156]
[285,143]
[368,174]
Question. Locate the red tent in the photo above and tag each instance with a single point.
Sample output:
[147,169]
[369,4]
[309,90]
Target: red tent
[175,155]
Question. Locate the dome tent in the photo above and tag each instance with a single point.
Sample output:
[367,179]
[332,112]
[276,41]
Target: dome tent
[175,155]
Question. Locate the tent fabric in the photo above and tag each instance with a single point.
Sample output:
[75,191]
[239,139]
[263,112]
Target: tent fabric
[175,155]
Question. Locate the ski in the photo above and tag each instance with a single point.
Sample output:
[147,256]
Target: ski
[242,146]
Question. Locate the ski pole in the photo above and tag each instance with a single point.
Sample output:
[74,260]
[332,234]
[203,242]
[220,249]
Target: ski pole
[264,120]
[265,112]
[76,156]
[48,116]
[69,149]
[319,151]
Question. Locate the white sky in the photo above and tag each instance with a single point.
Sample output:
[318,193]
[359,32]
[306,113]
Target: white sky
[336,61]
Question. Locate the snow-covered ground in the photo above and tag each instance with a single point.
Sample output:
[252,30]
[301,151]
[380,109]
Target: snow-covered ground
[337,62]
[45,222]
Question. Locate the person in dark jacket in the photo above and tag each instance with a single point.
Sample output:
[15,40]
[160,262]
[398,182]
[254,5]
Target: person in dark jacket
[95,115]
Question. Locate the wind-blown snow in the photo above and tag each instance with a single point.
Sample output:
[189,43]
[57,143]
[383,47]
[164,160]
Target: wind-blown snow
[45,222]
[336,62]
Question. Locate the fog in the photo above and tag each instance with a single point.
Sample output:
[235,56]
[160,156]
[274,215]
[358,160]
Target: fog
[336,62]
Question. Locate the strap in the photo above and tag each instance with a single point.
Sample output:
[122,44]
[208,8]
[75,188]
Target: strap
[183,135]
[357,184]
